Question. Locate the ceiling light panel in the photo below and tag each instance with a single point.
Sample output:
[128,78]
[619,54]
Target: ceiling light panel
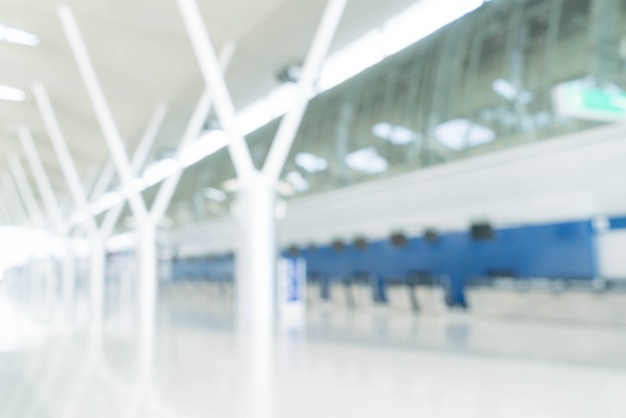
[12,94]
[17,36]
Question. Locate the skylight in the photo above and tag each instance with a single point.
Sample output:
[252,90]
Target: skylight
[462,133]
[17,36]
[12,94]
[311,163]
[367,160]
[396,134]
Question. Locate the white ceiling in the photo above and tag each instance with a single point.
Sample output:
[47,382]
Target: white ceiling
[142,56]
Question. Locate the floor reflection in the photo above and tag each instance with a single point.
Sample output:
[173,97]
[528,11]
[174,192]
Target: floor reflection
[337,362]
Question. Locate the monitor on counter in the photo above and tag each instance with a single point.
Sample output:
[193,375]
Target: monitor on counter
[482,231]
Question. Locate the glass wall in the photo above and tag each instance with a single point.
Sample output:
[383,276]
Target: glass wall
[481,84]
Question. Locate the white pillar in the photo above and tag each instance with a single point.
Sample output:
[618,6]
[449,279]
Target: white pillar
[255,272]
[256,246]
[147,297]
[98,275]
[68,288]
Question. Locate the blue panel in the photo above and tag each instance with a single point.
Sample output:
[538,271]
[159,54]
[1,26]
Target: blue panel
[618,223]
[560,250]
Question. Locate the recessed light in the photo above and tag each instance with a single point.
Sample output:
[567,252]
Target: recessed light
[12,94]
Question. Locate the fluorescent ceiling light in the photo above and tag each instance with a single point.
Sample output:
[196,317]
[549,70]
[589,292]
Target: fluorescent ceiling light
[12,94]
[159,171]
[367,160]
[510,92]
[423,19]
[208,144]
[298,182]
[462,133]
[280,100]
[396,134]
[17,36]
[215,194]
[311,163]
[352,60]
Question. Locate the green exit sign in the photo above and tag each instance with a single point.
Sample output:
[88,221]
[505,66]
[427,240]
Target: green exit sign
[574,100]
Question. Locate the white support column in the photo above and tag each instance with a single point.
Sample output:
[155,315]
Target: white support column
[79,195]
[23,186]
[214,79]
[147,298]
[194,127]
[41,178]
[139,160]
[68,288]
[256,246]
[310,72]
[103,112]
[255,279]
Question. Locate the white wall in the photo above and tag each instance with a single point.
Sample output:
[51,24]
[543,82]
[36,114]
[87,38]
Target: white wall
[612,254]
[573,177]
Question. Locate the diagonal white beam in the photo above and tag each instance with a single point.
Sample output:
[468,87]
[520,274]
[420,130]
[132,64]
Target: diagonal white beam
[214,79]
[23,186]
[6,216]
[68,167]
[194,127]
[41,178]
[139,160]
[104,181]
[14,201]
[103,112]
[310,72]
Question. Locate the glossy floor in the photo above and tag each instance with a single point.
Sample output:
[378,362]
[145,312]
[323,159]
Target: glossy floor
[371,363]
